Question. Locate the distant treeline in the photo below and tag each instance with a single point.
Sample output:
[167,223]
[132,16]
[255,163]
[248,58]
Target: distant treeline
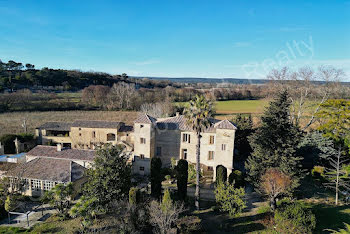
[15,76]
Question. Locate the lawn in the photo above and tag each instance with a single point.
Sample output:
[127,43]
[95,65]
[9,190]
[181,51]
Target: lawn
[241,106]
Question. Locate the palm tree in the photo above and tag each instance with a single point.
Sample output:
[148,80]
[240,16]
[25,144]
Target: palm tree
[198,113]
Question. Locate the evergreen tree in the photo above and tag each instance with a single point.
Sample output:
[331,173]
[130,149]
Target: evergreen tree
[156,177]
[182,177]
[245,128]
[275,142]
[109,178]
[221,174]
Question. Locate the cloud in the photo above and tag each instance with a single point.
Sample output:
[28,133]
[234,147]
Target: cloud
[146,62]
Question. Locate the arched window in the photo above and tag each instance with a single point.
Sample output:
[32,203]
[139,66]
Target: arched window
[110,137]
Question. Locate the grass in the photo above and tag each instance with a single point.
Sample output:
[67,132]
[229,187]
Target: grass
[330,216]
[11,230]
[55,225]
[241,106]
[10,123]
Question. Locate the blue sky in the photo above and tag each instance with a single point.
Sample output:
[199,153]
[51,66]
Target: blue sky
[172,38]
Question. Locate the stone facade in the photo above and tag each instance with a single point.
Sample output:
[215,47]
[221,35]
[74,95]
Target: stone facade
[149,137]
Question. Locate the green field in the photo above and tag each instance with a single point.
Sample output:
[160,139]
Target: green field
[238,106]
[241,106]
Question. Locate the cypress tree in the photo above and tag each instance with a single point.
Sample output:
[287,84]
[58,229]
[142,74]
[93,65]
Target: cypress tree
[156,178]
[275,142]
[221,174]
[182,177]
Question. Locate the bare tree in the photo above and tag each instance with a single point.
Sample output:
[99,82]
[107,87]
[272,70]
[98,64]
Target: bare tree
[121,96]
[308,90]
[159,109]
[337,175]
[164,219]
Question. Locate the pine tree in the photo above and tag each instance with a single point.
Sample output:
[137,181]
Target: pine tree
[109,177]
[275,142]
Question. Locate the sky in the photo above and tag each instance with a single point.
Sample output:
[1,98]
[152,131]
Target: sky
[173,38]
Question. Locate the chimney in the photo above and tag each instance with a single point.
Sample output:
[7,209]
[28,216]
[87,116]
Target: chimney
[59,147]
[177,114]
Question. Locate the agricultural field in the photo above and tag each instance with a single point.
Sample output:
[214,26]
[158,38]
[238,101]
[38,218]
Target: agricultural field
[241,106]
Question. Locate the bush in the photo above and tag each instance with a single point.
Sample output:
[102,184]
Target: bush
[294,218]
[156,177]
[230,199]
[189,224]
[8,142]
[192,172]
[133,196]
[236,177]
[221,174]
[318,171]
[182,177]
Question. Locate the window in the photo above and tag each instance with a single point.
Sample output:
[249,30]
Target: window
[79,134]
[142,156]
[211,140]
[141,126]
[36,185]
[110,137]
[184,154]
[143,140]
[79,129]
[211,155]
[159,151]
[186,138]
[93,134]
[210,169]
[48,185]
[142,168]
[223,147]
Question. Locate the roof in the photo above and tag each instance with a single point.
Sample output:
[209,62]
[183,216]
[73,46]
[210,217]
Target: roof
[48,169]
[96,124]
[180,122]
[6,166]
[71,154]
[225,124]
[126,128]
[56,126]
[144,118]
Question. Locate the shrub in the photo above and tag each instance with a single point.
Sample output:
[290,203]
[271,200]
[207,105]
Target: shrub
[294,218]
[182,177]
[230,199]
[192,172]
[318,171]
[156,177]
[189,224]
[236,177]
[221,174]
[8,143]
[133,196]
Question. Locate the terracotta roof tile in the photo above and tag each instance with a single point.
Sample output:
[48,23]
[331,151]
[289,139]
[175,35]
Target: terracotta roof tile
[144,118]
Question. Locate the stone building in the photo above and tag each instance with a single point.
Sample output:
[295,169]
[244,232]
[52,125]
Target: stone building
[149,137]
[171,137]
[46,166]
[84,134]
